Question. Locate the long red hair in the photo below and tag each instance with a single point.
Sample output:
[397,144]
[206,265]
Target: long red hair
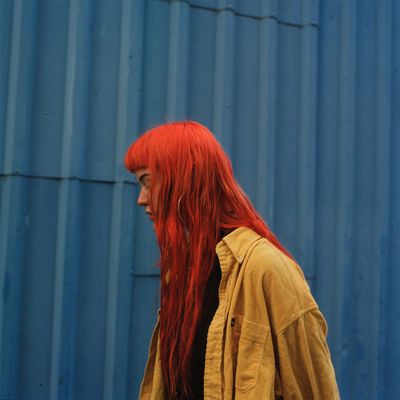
[196,197]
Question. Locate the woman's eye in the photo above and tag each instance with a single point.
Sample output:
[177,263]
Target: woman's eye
[146,185]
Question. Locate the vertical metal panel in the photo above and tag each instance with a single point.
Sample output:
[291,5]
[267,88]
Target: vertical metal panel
[38,290]
[14,219]
[335,190]
[358,74]
[390,354]
[303,95]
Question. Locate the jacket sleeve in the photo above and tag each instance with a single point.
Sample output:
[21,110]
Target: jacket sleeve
[304,361]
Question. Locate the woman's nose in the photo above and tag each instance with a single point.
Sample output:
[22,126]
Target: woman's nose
[143,197]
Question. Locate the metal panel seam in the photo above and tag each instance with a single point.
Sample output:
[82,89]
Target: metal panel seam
[239,14]
[65,178]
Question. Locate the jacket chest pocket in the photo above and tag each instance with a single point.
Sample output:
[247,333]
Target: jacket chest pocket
[250,348]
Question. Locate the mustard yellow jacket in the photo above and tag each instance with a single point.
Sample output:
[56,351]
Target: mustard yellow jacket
[267,339]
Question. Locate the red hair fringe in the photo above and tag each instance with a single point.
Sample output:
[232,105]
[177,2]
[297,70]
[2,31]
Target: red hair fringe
[196,197]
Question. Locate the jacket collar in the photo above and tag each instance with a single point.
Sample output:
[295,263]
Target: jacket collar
[238,242]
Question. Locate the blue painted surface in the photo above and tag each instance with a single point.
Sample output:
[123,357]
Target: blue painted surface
[303,95]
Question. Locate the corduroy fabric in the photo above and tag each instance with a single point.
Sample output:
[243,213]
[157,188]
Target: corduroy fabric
[267,339]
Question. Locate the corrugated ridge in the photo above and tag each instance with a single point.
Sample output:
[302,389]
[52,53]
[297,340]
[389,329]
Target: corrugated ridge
[381,184]
[68,215]
[309,117]
[267,95]
[391,371]
[6,12]
[18,110]
[306,178]
[115,363]
[13,222]
[224,71]
[177,61]
[344,180]
[14,78]
[12,233]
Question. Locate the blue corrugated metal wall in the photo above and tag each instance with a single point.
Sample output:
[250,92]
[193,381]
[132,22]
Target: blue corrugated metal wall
[304,97]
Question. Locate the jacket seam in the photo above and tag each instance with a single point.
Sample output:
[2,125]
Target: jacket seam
[295,318]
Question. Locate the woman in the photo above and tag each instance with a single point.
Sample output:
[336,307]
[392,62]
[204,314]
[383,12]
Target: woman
[237,319]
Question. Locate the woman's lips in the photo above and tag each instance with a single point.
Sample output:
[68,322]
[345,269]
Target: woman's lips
[150,216]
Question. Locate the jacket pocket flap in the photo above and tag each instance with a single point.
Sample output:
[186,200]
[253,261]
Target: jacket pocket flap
[254,332]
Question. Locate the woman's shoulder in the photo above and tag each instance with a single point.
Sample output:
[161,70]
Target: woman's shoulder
[279,277]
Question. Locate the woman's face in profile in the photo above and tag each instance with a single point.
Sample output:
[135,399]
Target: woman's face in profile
[143,177]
